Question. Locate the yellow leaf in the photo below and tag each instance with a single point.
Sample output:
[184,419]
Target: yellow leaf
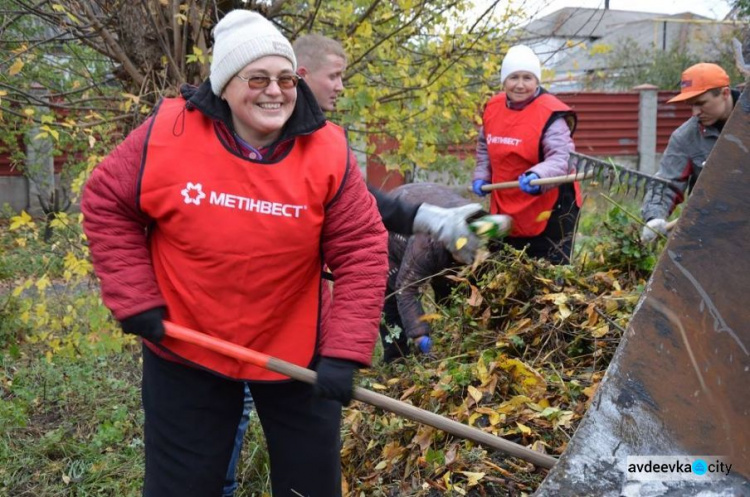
[473,418]
[408,392]
[564,311]
[428,318]
[365,29]
[543,216]
[381,465]
[57,223]
[590,391]
[16,67]
[600,331]
[475,394]
[525,378]
[524,429]
[473,478]
[378,386]
[447,480]
[461,242]
[29,111]
[538,446]
[495,417]
[20,220]
[564,419]
[482,373]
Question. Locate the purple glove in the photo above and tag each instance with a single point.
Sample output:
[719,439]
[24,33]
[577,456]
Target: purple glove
[477,185]
[524,182]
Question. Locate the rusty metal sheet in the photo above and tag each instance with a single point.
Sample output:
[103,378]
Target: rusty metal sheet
[607,122]
[679,383]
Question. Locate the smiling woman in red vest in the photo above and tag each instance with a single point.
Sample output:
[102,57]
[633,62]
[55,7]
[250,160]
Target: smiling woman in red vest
[526,134]
[217,213]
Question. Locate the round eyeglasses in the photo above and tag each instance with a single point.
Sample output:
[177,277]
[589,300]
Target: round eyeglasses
[286,82]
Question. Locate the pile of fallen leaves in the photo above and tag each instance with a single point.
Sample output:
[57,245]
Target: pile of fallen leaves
[519,353]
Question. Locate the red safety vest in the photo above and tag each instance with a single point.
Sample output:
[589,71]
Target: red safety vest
[514,145]
[236,244]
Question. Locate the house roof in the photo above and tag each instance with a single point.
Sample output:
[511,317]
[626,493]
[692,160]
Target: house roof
[579,22]
[565,39]
[660,32]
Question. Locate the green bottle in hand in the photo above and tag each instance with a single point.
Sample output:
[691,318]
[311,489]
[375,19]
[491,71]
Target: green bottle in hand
[491,226]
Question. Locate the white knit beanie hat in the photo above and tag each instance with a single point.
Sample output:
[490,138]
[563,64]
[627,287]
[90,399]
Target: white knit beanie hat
[241,37]
[520,58]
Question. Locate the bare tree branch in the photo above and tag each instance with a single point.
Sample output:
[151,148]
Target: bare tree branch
[117,51]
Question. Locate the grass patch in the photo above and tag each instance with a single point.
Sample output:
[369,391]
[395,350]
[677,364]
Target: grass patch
[72,427]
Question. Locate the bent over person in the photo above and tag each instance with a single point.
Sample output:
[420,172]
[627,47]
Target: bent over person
[413,263]
[217,214]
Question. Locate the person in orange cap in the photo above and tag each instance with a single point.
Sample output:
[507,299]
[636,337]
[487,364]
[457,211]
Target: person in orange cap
[705,88]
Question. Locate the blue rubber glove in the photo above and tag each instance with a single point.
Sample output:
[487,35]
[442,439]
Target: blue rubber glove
[525,183]
[425,344]
[477,185]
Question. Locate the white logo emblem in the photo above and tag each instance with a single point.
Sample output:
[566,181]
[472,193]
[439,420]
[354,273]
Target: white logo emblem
[193,193]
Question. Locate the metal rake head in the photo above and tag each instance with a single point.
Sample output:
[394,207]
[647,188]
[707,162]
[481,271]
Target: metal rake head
[617,177]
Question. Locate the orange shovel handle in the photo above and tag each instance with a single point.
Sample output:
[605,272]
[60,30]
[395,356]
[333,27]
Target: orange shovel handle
[396,406]
[238,352]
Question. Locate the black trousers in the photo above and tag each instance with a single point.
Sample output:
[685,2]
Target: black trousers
[555,243]
[191,423]
[393,347]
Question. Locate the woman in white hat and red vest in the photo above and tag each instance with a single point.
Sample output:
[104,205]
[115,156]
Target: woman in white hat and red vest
[217,214]
[526,134]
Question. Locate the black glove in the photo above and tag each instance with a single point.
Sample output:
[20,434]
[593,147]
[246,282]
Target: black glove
[148,324]
[336,379]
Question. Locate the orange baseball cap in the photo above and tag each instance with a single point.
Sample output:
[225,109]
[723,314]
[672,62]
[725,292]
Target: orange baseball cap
[699,79]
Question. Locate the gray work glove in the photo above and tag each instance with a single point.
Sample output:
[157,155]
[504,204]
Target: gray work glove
[653,229]
[450,228]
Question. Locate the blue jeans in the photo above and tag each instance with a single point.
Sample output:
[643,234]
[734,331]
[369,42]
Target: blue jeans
[230,482]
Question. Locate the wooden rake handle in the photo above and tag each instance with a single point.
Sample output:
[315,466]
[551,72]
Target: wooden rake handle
[554,180]
[375,399]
